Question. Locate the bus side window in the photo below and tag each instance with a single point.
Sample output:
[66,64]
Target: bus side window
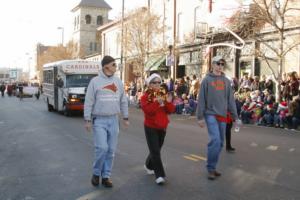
[60,82]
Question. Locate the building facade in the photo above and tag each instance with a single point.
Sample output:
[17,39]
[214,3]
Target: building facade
[190,32]
[88,15]
[10,75]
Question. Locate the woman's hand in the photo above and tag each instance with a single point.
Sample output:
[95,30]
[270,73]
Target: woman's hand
[160,100]
[169,98]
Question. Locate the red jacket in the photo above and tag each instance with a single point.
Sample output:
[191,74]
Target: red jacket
[155,115]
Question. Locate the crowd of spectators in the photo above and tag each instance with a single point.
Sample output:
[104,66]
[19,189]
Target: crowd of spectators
[256,103]
[254,96]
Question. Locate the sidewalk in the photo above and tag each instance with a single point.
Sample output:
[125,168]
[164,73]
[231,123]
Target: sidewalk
[192,120]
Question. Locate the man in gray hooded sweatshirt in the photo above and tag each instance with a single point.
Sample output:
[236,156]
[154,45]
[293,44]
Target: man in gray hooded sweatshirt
[215,99]
[104,100]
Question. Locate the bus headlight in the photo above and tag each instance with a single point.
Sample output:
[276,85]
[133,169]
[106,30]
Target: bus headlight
[74,100]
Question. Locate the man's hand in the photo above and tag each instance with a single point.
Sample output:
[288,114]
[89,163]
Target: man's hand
[88,125]
[201,123]
[126,123]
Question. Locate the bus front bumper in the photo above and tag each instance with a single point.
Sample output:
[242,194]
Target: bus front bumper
[77,107]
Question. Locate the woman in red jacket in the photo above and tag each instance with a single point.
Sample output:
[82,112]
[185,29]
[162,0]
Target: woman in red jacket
[156,105]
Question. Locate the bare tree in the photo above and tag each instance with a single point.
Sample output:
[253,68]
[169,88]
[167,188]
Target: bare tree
[141,39]
[56,53]
[271,23]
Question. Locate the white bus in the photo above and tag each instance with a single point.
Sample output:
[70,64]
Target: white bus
[65,83]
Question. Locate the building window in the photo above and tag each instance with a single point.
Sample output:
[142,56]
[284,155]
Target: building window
[88,19]
[99,20]
[91,46]
[75,23]
[95,46]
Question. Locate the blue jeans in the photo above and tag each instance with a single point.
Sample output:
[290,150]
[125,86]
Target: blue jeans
[216,132]
[106,131]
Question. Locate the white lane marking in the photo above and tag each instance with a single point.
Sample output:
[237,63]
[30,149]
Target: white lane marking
[92,195]
[29,198]
[292,149]
[253,144]
[272,148]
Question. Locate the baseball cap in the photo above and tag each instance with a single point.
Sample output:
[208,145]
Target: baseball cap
[217,59]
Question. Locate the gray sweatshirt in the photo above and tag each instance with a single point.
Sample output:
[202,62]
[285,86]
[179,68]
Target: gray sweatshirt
[105,96]
[216,97]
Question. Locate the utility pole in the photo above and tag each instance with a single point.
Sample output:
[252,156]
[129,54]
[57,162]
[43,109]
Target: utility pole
[148,31]
[29,58]
[122,69]
[209,54]
[164,23]
[62,35]
[174,41]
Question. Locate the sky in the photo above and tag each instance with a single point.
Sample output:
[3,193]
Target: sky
[24,23]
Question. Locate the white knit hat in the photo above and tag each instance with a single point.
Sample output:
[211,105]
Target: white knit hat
[150,78]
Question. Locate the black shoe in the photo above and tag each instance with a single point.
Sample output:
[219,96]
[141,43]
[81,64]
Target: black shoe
[217,174]
[95,180]
[106,182]
[211,176]
[230,149]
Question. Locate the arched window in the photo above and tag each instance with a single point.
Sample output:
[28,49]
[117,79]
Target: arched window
[99,20]
[88,19]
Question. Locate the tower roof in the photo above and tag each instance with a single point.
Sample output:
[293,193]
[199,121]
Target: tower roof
[93,3]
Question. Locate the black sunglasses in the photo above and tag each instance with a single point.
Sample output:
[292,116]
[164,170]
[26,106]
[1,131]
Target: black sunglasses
[155,82]
[220,64]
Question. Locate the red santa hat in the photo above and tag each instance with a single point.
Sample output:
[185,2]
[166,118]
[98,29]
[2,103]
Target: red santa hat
[283,105]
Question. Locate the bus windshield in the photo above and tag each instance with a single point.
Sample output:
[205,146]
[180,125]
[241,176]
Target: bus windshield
[79,80]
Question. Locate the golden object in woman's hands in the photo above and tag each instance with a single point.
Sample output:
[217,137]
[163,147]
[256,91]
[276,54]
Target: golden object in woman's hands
[169,98]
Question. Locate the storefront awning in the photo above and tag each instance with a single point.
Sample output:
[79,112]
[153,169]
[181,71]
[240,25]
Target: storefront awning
[154,63]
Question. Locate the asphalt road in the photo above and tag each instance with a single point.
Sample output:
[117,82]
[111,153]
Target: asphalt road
[47,156]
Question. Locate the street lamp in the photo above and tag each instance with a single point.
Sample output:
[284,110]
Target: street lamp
[62,35]
[29,58]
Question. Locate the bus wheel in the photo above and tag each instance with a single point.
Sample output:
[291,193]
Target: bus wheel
[50,107]
[66,111]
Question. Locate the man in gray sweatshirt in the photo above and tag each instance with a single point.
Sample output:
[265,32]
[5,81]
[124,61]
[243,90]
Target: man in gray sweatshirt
[215,99]
[104,101]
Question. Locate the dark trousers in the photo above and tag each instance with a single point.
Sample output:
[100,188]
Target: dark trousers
[155,140]
[293,122]
[228,135]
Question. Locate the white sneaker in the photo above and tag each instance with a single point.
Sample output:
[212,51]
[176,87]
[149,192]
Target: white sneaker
[149,171]
[160,180]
